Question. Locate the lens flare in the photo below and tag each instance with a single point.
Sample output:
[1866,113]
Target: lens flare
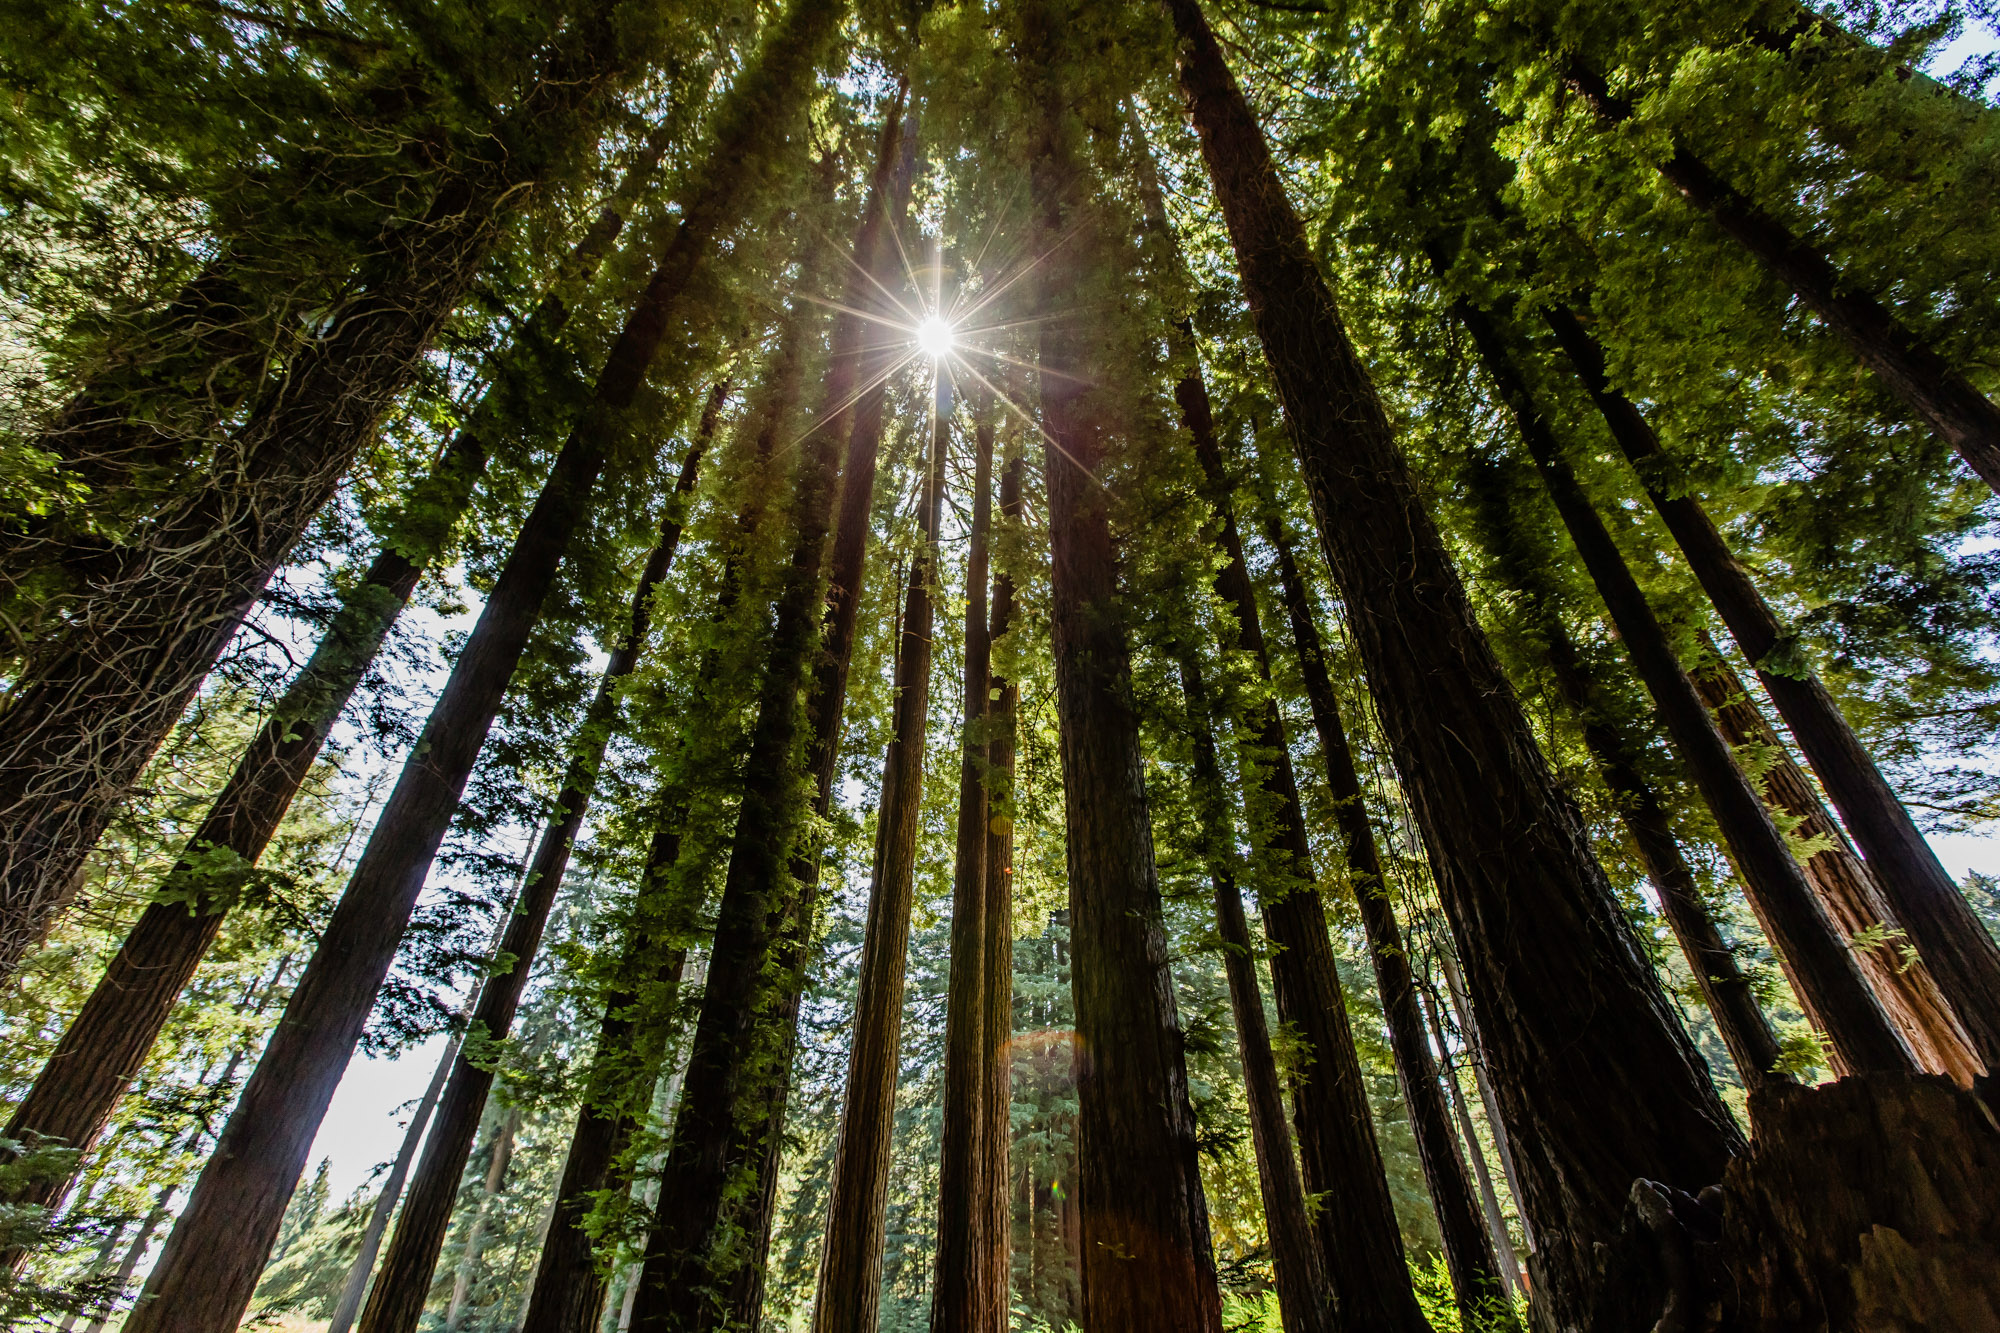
[934,338]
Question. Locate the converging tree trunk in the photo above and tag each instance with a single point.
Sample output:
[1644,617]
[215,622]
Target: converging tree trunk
[1361,1244]
[1305,1299]
[1843,880]
[1146,1258]
[1822,967]
[111,1035]
[397,1301]
[203,1281]
[1610,737]
[850,1272]
[92,703]
[1956,950]
[569,1285]
[960,1300]
[693,1253]
[1930,386]
[1599,1084]
[1470,1259]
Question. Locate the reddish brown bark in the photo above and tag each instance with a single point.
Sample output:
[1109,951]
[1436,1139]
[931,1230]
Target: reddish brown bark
[733,1087]
[961,1301]
[1960,956]
[1468,1255]
[1598,1082]
[850,1273]
[1305,1297]
[1907,366]
[1817,959]
[1843,880]
[1146,1259]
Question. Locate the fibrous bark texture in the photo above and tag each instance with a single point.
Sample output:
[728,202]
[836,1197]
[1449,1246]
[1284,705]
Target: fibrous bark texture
[1146,1259]
[1598,1084]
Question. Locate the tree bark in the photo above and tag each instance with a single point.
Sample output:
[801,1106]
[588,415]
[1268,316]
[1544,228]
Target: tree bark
[1956,950]
[475,1240]
[1600,1084]
[1475,1274]
[93,701]
[997,1039]
[1360,1241]
[1146,1257]
[1823,969]
[356,1286]
[850,1273]
[397,1301]
[202,1282]
[692,1256]
[569,1287]
[1496,1223]
[1305,1297]
[1844,882]
[960,1301]
[1928,384]
[1619,757]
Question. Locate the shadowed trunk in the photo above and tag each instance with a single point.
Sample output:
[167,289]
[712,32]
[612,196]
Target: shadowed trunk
[960,1301]
[1361,1244]
[1929,386]
[996,1093]
[94,1062]
[1470,1259]
[1843,880]
[1960,958]
[1489,1201]
[1146,1256]
[1822,968]
[696,1250]
[1599,1083]
[203,1281]
[93,702]
[1305,1299]
[1619,754]
[569,1286]
[850,1274]
[397,1301]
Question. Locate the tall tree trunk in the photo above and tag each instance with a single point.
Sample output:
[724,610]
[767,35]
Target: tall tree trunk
[1146,1256]
[1929,385]
[1845,885]
[475,1239]
[1822,967]
[92,702]
[1361,1243]
[996,1092]
[1305,1297]
[1600,1084]
[95,1061]
[1474,1274]
[569,1286]
[850,1273]
[1956,950]
[397,1301]
[1619,756]
[1496,1222]
[203,1282]
[960,1299]
[692,1256]
[356,1286]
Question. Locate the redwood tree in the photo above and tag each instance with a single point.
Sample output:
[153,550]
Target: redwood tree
[1598,1084]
